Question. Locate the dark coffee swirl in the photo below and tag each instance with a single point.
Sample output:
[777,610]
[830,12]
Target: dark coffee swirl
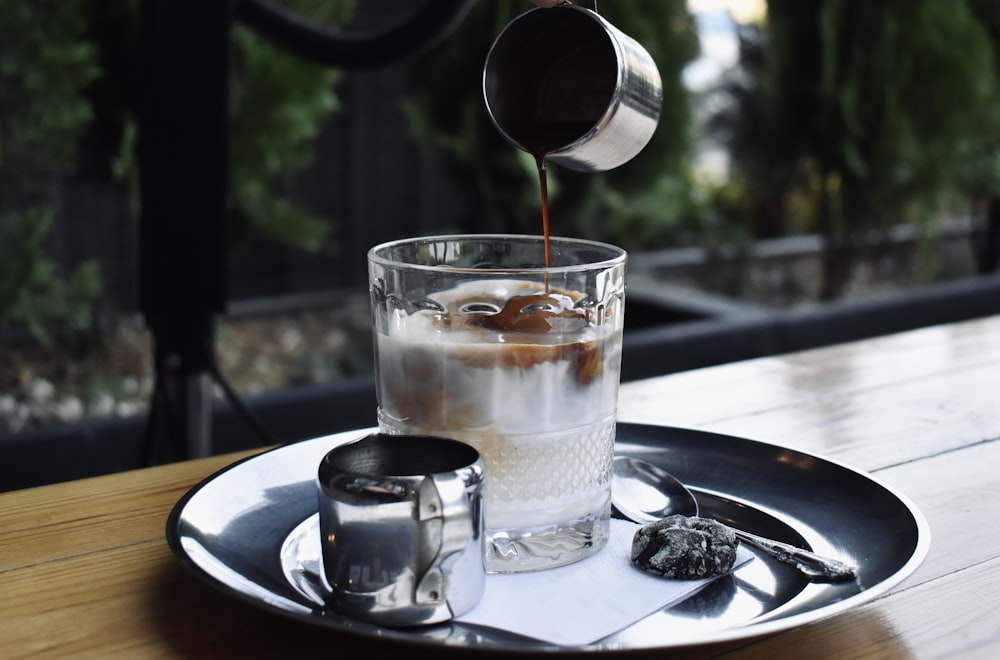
[536,313]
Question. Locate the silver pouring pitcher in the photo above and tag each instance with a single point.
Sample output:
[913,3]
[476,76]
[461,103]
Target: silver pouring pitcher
[565,85]
[401,529]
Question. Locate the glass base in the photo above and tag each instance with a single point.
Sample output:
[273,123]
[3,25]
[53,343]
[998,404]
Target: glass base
[548,546]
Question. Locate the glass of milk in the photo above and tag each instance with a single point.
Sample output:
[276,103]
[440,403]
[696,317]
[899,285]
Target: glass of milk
[477,339]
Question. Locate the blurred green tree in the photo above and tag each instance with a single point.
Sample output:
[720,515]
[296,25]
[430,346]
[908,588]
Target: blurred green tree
[67,71]
[986,184]
[46,65]
[280,103]
[872,113]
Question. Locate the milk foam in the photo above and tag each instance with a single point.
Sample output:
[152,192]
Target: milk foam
[539,406]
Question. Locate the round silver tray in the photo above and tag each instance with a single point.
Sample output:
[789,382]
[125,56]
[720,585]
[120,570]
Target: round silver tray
[236,529]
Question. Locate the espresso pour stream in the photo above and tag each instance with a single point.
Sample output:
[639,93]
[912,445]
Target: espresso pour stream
[533,313]
[569,88]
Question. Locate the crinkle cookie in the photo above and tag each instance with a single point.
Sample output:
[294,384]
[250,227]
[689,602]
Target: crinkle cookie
[684,548]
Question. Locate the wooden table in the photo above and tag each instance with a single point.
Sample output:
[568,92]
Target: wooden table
[85,569]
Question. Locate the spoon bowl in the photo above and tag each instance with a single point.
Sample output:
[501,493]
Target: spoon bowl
[644,492]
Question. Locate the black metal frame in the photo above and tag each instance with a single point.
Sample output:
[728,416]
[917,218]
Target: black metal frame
[183,149]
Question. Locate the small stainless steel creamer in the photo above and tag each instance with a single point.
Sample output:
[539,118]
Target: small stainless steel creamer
[401,529]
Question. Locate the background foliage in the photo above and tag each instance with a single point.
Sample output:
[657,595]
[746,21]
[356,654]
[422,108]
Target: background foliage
[845,118]
[66,80]
[46,65]
[850,117]
[280,105]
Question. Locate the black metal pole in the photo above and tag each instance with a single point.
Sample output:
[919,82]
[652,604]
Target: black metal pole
[183,149]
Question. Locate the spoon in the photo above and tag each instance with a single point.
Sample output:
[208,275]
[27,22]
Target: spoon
[644,493]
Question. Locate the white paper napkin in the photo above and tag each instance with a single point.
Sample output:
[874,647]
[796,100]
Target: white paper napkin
[583,602]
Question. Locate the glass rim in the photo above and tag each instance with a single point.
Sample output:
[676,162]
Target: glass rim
[618,255]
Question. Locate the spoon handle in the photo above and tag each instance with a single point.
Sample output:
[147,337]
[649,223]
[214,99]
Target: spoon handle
[816,567]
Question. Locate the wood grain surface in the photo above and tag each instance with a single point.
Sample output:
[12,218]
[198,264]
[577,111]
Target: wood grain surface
[85,570]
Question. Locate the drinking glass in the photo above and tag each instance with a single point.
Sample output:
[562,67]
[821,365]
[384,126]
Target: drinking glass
[476,339]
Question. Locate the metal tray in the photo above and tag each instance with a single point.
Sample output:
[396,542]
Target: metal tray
[235,530]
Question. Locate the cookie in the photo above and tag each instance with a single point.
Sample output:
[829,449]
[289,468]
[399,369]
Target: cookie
[684,548]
